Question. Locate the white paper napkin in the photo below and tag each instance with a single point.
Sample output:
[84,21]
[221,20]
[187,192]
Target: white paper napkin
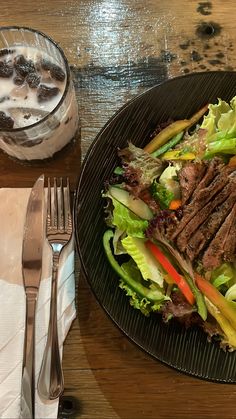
[13,203]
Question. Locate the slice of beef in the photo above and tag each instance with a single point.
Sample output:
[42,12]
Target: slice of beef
[201,198]
[189,177]
[230,246]
[215,167]
[213,256]
[209,228]
[203,214]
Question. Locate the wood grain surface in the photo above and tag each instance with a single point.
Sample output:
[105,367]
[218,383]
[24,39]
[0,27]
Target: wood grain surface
[117,49]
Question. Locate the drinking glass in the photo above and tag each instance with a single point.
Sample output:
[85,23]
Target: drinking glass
[38,107]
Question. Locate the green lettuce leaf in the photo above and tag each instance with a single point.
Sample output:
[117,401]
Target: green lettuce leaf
[126,220]
[223,277]
[145,290]
[169,179]
[143,304]
[220,124]
[224,146]
[145,261]
[227,120]
[230,294]
[161,194]
[212,120]
[117,245]
[143,165]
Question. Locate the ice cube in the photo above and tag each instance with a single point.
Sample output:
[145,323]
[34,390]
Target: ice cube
[26,116]
[20,91]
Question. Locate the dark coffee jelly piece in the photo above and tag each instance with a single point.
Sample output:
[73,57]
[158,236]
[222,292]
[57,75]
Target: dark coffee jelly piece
[6,122]
[6,70]
[6,51]
[32,143]
[46,65]
[23,66]
[46,93]
[4,98]
[18,80]
[56,72]
[33,80]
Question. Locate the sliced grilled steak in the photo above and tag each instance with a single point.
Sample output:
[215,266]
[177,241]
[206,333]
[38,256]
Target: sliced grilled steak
[189,178]
[213,256]
[203,214]
[201,198]
[209,228]
[215,167]
[230,245]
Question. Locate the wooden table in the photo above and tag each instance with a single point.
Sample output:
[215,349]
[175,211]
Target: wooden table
[117,49]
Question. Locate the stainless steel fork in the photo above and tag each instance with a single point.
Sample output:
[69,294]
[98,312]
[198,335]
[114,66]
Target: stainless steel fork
[58,232]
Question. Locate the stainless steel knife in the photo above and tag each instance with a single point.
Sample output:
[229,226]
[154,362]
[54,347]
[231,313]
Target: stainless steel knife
[32,250]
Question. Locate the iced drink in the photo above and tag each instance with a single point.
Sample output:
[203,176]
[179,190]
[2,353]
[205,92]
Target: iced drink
[38,108]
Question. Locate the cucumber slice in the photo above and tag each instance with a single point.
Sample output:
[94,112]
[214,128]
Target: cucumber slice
[134,204]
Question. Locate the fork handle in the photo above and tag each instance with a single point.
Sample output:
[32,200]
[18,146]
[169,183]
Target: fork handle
[51,381]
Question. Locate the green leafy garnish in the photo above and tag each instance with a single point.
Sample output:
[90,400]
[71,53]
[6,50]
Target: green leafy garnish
[131,280]
[126,220]
[141,303]
[145,261]
[162,195]
[223,277]
[220,125]
[118,170]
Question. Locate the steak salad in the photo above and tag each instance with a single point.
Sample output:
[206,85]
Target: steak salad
[171,222]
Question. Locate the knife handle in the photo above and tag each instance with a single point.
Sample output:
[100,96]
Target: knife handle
[51,380]
[28,379]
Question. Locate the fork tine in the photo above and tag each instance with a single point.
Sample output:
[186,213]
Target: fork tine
[49,208]
[55,206]
[60,203]
[67,207]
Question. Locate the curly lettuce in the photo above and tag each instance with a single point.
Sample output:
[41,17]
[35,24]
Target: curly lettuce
[220,126]
[140,168]
[140,303]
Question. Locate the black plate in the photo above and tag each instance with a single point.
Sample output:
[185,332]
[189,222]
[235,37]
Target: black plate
[186,350]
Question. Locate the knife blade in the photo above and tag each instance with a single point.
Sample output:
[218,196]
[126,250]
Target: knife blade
[32,250]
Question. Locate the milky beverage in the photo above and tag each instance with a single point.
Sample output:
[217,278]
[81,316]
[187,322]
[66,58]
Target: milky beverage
[31,86]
